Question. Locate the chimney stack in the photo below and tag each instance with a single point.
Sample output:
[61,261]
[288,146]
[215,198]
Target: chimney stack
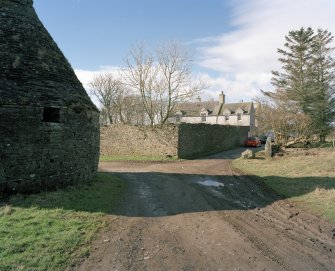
[222,98]
[198,99]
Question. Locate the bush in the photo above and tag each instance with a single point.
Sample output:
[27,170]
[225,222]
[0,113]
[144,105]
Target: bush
[275,148]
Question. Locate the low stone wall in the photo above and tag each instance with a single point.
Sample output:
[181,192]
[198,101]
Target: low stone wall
[126,140]
[199,139]
[183,141]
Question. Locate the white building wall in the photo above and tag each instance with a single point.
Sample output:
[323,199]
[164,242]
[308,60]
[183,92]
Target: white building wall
[245,120]
[221,120]
[211,120]
[191,119]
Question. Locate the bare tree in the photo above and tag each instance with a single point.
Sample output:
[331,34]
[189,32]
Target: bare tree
[133,111]
[110,92]
[103,117]
[176,83]
[140,75]
[163,80]
[284,117]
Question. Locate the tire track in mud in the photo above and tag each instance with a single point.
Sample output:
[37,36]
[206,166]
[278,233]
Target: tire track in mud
[170,220]
[263,239]
[280,218]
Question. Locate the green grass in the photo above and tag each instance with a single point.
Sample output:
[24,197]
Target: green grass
[307,178]
[52,231]
[105,158]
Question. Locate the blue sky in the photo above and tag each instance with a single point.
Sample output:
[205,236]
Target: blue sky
[234,42]
[100,33]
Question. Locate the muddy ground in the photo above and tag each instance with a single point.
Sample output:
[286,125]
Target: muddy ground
[202,215]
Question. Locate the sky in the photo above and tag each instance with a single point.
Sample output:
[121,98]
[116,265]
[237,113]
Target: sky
[233,42]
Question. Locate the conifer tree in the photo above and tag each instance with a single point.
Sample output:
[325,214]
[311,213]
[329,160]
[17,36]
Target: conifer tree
[296,59]
[322,104]
[308,76]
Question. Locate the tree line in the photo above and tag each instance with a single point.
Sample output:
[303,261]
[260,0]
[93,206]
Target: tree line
[303,102]
[150,86]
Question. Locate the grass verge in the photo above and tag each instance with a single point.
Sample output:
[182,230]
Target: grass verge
[305,177]
[105,158]
[52,231]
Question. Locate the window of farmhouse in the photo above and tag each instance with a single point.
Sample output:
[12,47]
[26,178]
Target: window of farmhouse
[226,117]
[203,117]
[238,116]
[177,118]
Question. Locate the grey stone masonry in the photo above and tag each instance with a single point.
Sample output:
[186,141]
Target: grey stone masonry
[183,141]
[49,127]
[128,140]
[199,139]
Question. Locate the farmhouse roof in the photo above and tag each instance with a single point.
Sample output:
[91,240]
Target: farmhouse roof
[192,109]
[233,107]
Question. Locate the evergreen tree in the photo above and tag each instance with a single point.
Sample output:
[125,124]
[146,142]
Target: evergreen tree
[322,109]
[295,76]
[308,76]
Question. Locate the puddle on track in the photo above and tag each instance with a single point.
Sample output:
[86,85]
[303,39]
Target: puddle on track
[210,183]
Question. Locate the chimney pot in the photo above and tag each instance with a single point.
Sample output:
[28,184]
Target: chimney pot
[222,98]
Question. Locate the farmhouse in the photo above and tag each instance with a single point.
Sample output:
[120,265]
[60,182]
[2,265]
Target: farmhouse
[211,112]
[49,127]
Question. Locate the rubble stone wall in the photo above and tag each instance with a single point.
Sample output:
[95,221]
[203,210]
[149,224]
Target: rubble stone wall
[183,141]
[127,140]
[39,156]
[199,139]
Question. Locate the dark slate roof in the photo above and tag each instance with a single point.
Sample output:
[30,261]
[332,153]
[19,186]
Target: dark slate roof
[33,70]
[214,108]
[246,107]
[190,109]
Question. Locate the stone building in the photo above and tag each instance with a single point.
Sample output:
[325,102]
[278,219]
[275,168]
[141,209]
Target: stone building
[49,127]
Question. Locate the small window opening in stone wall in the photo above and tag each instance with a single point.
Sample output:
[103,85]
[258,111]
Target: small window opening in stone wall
[226,117]
[177,118]
[239,117]
[51,114]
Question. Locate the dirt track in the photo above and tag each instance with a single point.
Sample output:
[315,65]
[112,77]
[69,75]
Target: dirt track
[201,215]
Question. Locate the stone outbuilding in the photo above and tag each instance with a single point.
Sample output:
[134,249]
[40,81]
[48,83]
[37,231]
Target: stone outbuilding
[49,127]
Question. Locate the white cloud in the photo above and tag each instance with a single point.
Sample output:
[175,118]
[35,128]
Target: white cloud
[245,56]
[243,87]
[86,76]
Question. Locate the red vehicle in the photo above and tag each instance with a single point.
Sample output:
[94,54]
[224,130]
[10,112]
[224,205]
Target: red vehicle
[252,142]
